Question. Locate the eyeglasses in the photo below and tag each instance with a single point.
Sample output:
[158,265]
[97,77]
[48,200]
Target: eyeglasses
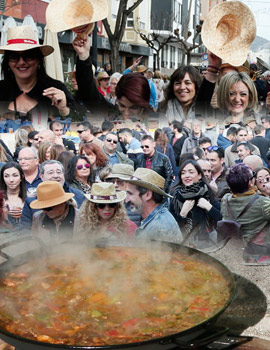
[80,131]
[111,140]
[145,146]
[114,180]
[263,180]
[103,205]
[212,148]
[80,166]
[26,56]
[26,158]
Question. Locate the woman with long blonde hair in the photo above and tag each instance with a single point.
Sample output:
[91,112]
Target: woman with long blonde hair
[104,215]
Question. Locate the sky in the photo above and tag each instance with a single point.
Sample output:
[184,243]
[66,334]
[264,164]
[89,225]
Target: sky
[261,11]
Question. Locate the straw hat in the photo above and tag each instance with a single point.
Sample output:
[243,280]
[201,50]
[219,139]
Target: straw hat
[121,171]
[49,194]
[141,69]
[210,123]
[150,179]
[24,38]
[244,68]
[63,15]
[103,75]
[228,31]
[103,192]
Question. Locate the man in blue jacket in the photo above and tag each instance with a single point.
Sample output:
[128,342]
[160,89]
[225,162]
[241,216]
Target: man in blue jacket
[50,170]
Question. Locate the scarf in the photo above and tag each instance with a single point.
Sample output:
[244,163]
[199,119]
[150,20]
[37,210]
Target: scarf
[250,192]
[85,188]
[196,216]
[175,111]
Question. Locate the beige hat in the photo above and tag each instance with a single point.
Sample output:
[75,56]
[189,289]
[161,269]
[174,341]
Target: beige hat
[103,75]
[121,171]
[24,38]
[243,68]
[150,179]
[248,119]
[50,194]
[103,192]
[228,31]
[141,69]
[210,123]
[68,14]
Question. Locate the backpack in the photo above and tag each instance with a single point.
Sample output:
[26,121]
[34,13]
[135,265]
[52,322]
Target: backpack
[232,228]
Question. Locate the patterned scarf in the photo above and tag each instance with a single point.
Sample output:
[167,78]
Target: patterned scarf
[85,188]
[175,111]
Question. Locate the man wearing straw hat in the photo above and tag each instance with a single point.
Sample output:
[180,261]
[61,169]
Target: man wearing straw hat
[145,194]
[54,222]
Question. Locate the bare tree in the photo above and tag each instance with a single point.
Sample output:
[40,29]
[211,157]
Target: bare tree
[120,26]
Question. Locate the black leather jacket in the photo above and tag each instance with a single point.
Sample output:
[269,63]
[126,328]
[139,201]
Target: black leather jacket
[161,164]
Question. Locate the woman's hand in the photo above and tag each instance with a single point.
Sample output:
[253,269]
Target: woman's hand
[82,47]
[204,204]
[186,208]
[58,98]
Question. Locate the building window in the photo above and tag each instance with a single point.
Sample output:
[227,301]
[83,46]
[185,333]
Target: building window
[177,12]
[2,5]
[164,57]
[172,63]
[179,58]
[142,25]
[130,20]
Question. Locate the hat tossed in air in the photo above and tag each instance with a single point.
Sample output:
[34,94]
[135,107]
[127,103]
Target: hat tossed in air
[228,31]
[149,179]
[68,14]
[50,194]
[103,192]
[22,38]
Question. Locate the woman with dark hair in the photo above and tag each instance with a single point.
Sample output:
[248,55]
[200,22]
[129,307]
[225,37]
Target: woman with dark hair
[96,157]
[163,146]
[180,95]
[133,94]
[262,180]
[12,183]
[80,174]
[26,87]
[256,218]
[195,207]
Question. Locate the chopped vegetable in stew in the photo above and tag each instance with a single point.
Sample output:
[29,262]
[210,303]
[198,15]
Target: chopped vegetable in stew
[107,296]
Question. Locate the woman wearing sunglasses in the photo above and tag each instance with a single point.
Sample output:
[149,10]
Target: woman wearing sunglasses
[104,215]
[262,181]
[26,88]
[80,174]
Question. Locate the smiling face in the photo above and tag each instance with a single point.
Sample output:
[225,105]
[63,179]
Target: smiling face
[263,181]
[12,179]
[238,98]
[184,90]
[23,68]
[190,175]
[82,169]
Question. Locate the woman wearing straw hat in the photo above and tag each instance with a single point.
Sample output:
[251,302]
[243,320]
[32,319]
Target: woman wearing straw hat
[26,87]
[54,222]
[104,214]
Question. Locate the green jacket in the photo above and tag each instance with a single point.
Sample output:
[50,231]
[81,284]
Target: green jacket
[254,219]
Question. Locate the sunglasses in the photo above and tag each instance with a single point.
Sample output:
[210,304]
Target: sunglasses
[265,180]
[80,131]
[103,205]
[212,148]
[146,146]
[80,166]
[48,209]
[26,56]
[110,140]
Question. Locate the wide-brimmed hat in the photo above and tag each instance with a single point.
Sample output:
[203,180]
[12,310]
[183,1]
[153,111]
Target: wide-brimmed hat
[103,192]
[121,171]
[103,75]
[24,38]
[50,194]
[210,123]
[68,14]
[141,69]
[149,179]
[228,31]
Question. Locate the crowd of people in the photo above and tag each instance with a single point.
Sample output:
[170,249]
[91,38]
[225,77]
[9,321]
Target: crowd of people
[207,160]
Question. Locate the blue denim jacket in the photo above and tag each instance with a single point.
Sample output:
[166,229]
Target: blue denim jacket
[160,225]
